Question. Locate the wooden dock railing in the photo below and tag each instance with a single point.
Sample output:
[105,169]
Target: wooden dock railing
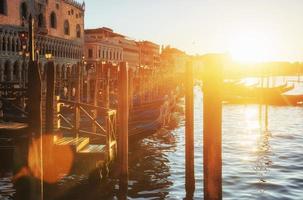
[105,126]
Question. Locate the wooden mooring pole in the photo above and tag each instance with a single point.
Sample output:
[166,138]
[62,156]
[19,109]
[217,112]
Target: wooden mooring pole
[78,100]
[35,109]
[123,109]
[131,87]
[266,106]
[50,98]
[212,123]
[106,86]
[96,94]
[189,132]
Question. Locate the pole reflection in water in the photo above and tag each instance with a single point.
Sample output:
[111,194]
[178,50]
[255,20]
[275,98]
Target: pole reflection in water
[264,152]
[150,171]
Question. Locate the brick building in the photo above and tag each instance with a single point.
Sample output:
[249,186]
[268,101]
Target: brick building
[59,29]
[149,53]
[130,51]
[103,44]
[100,46]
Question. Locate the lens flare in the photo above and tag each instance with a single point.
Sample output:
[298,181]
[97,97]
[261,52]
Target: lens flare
[54,162]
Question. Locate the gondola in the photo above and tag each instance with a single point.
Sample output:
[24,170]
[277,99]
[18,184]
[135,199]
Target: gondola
[256,92]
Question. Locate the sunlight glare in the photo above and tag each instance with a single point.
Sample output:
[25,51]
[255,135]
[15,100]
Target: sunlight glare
[251,46]
[249,81]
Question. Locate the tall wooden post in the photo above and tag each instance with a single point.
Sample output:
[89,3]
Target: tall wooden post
[31,34]
[96,94]
[139,83]
[81,68]
[35,116]
[77,99]
[69,83]
[47,140]
[88,91]
[106,87]
[142,85]
[34,101]
[131,88]
[123,126]
[189,132]
[266,106]
[50,97]
[212,123]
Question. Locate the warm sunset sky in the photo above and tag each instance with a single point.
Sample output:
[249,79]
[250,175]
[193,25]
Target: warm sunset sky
[254,30]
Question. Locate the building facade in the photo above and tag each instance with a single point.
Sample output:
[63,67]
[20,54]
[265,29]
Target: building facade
[101,47]
[104,41]
[103,44]
[59,30]
[149,53]
[130,51]
[173,59]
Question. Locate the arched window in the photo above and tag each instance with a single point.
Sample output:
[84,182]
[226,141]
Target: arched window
[78,31]
[66,27]
[40,20]
[3,7]
[23,10]
[53,20]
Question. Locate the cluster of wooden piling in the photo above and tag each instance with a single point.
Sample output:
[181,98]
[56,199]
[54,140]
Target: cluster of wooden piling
[116,87]
[56,105]
[212,127]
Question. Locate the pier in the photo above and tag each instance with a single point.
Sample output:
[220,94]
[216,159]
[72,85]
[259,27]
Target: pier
[90,123]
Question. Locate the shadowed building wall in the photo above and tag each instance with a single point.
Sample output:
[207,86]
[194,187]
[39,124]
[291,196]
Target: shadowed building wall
[59,31]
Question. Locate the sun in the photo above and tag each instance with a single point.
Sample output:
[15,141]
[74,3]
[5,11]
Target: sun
[251,46]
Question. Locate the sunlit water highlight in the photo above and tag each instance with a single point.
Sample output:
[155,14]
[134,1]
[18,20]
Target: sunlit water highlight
[257,164]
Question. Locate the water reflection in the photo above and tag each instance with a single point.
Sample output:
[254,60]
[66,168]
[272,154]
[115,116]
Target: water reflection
[150,168]
[263,149]
[257,163]
[263,161]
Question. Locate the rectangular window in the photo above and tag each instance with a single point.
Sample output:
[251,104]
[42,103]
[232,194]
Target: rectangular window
[90,53]
[99,53]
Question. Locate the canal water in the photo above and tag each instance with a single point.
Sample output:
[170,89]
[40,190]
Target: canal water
[257,163]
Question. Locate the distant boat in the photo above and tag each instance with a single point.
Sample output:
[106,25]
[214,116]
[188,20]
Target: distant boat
[273,95]
[253,91]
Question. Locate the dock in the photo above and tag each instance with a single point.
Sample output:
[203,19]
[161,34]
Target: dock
[84,122]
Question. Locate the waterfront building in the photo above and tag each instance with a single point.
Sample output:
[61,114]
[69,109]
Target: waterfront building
[173,59]
[101,47]
[130,51]
[103,44]
[149,53]
[59,31]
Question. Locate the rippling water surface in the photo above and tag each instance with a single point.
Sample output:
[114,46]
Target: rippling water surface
[257,163]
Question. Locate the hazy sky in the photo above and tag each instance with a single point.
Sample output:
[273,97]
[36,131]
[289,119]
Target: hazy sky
[248,29]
